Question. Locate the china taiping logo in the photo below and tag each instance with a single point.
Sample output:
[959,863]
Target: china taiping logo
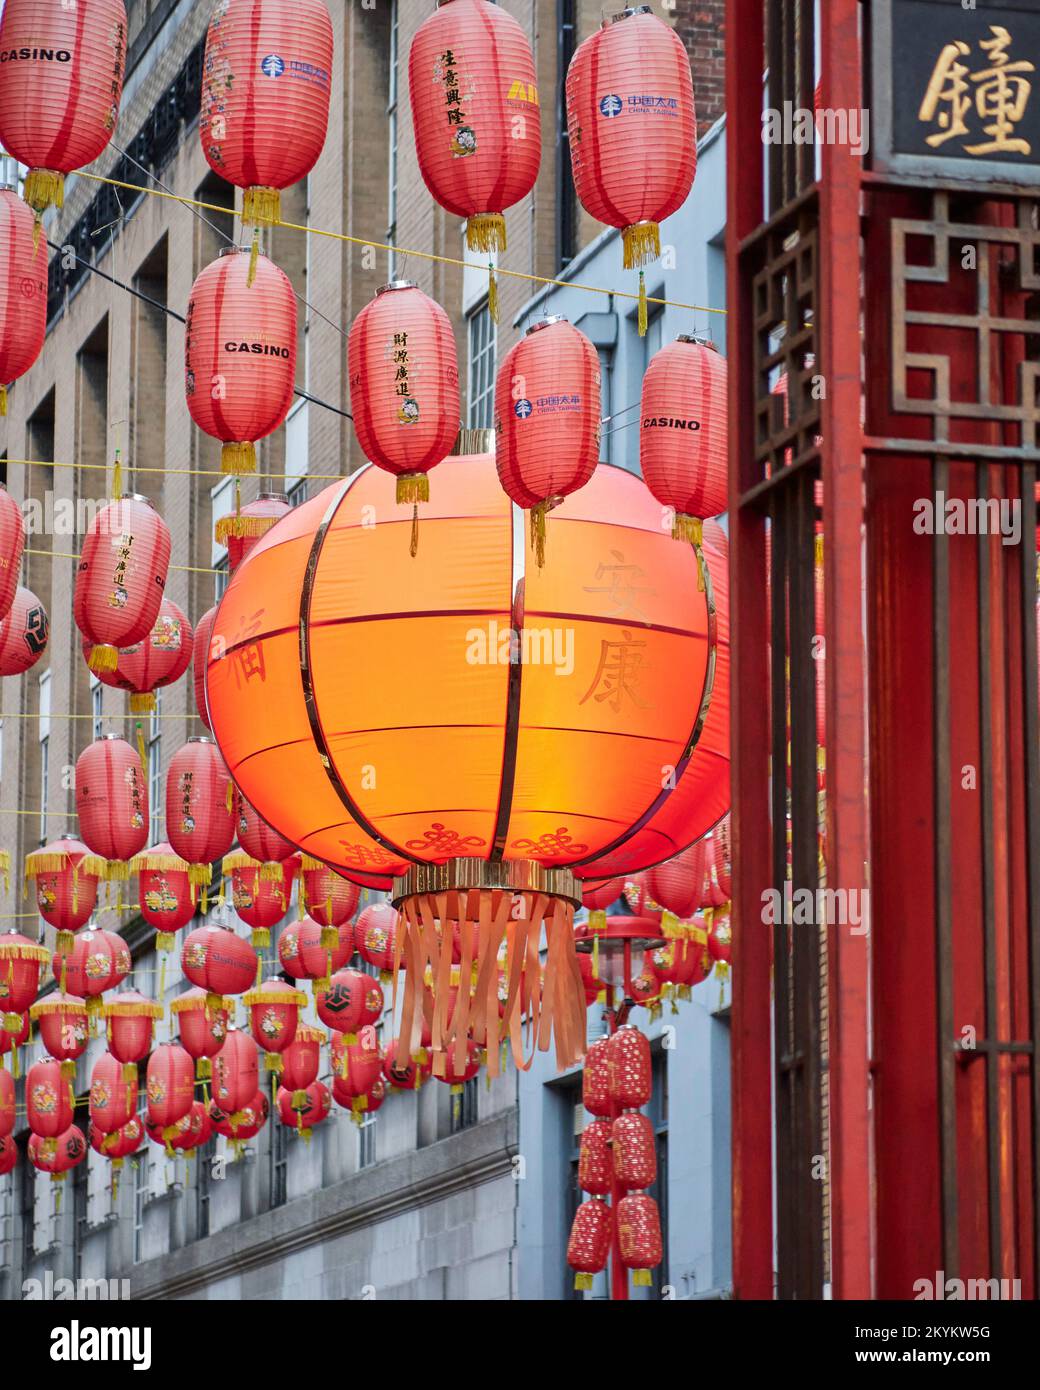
[522,409]
[611,105]
[273,65]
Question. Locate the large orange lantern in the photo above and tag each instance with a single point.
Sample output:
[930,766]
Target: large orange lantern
[404,387]
[324,634]
[23,308]
[20,961]
[64,1029]
[241,530]
[66,875]
[112,802]
[240,353]
[23,633]
[475,109]
[120,578]
[63,80]
[683,435]
[632,128]
[199,821]
[49,1102]
[113,1093]
[166,894]
[547,417]
[266,83]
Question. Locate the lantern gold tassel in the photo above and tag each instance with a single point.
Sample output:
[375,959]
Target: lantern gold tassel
[143,702]
[44,188]
[538,526]
[5,869]
[583,1281]
[117,477]
[642,244]
[486,232]
[103,658]
[254,256]
[261,206]
[3,400]
[261,938]
[644,314]
[229,798]
[238,457]
[492,292]
[413,487]
[641,1279]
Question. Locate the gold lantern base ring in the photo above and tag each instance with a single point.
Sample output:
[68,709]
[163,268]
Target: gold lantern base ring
[518,908]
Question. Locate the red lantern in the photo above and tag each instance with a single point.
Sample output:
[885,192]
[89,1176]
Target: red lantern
[7,1105]
[259,842]
[274,1011]
[57,1156]
[357,1067]
[594,1163]
[20,961]
[597,897]
[678,885]
[166,896]
[170,1085]
[476,115]
[713,894]
[641,902]
[23,326]
[59,102]
[456,1074]
[682,963]
[112,802]
[629,1073]
[8,1156]
[595,1083]
[634,1151]
[192,1129]
[683,437]
[131,1022]
[376,935]
[202,1025]
[301,1060]
[722,839]
[12,527]
[341,1004]
[241,1125]
[23,633]
[303,956]
[49,1102]
[372,1004]
[588,1247]
[639,1235]
[97,960]
[10,1042]
[330,898]
[235,1072]
[64,1029]
[266,82]
[547,414]
[260,902]
[240,353]
[720,939]
[634,155]
[302,1110]
[113,1094]
[66,875]
[199,822]
[120,578]
[404,386]
[409,1077]
[593,985]
[646,990]
[156,661]
[218,961]
[118,1145]
[241,530]
[200,657]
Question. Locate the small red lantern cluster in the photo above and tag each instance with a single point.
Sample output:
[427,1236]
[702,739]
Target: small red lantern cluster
[617,1159]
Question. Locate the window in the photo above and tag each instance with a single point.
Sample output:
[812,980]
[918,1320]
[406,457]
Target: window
[482,344]
[222,578]
[464,1106]
[142,1173]
[28,1216]
[566,198]
[367,1141]
[156,808]
[45,749]
[278,1156]
[391,113]
[80,1223]
[202,1188]
[657,1111]
[96,699]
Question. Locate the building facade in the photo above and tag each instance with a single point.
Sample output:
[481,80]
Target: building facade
[434,1196]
